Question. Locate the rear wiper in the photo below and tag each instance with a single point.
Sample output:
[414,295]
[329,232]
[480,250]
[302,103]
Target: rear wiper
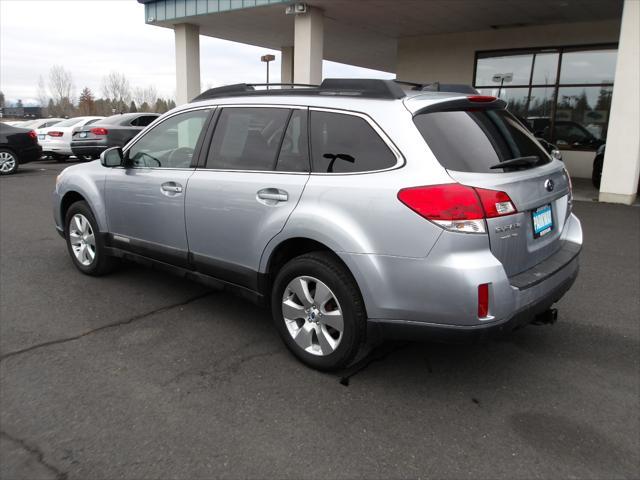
[518,162]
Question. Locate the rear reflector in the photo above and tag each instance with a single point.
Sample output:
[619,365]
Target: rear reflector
[456,207]
[32,134]
[55,134]
[481,98]
[99,131]
[483,300]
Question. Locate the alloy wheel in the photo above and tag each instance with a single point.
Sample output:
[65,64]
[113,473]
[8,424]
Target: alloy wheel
[7,162]
[82,239]
[313,315]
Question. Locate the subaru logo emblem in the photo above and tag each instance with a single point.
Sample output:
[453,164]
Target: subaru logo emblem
[548,184]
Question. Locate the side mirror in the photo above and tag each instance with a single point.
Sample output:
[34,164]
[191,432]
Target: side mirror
[112,157]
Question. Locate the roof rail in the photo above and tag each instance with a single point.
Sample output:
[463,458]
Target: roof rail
[366,88]
[440,87]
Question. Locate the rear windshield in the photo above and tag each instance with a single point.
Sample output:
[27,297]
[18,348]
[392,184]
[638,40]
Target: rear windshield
[473,141]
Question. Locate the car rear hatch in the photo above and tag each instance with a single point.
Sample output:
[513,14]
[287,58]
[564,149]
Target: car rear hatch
[483,146]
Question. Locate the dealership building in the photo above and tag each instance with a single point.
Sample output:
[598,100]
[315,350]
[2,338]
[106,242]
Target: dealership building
[570,68]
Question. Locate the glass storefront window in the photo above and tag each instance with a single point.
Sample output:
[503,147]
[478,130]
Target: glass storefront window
[545,69]
[593,66]
[571,111]
[519,66]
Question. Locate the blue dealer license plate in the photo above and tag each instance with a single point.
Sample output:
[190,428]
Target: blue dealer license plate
[542,221]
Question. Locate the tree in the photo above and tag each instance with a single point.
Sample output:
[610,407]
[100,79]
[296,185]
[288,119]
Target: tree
[147,95]
[43,97]
[1,100]
[51,108]
[171,104]
[161,106]
[60,84]
[115,87]
[86,103]
[145,107]
[132,107]
[19,105]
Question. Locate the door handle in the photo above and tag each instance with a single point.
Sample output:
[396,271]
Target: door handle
[171,187]
[273,195]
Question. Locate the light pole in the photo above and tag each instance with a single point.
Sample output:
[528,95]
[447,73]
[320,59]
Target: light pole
[502,78]
[266,59]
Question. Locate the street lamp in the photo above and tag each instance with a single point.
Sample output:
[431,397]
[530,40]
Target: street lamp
[502,78]
[266,59]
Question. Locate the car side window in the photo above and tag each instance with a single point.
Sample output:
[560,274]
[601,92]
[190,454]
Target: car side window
[342,143]
[92,121]
[247,138]
[294,152]
[143,121]
[171,144]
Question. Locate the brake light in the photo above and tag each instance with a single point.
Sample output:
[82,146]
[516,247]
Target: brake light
[483,300]
[99,131]
[55,134]
[481,98]
[32,134]
[457,207]
[495,203]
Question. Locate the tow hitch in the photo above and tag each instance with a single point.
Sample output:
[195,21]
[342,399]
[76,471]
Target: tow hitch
[548,317]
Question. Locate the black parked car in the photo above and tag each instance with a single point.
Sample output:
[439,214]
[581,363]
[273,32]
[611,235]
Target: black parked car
[115,131]
[17,146]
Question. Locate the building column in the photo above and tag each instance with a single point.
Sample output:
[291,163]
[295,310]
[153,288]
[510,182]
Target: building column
[187,39]
[286,65]
[307,48]
[622,155]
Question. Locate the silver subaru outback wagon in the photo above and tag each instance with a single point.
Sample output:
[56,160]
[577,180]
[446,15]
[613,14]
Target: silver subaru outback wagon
[357,209]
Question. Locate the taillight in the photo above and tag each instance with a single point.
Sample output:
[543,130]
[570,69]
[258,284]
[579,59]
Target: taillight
[483,300]
[55,134]
[495,203]
[32,134]
[481,98]
[456,207]
[99,131]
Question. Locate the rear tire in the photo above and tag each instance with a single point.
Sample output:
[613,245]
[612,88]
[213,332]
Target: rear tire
[85,158]
[8,162]
[84,242]
[318,310]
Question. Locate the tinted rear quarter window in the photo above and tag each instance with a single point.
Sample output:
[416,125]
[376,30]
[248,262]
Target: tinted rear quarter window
[473,141]
[343,143]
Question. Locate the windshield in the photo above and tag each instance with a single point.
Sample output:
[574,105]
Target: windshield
[476,140]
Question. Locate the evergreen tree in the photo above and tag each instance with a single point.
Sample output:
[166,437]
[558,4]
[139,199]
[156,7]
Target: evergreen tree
[86,103]
[145,107]
[132,107]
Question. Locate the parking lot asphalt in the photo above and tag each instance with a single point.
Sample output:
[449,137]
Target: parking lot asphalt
[142,375]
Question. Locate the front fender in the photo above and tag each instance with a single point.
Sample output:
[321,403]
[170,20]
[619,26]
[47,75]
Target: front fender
[88,181]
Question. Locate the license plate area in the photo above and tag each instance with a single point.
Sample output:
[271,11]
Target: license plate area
[41,136]
[542,218]
[83,135]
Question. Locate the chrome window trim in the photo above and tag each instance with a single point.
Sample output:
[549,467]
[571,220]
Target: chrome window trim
[400,160]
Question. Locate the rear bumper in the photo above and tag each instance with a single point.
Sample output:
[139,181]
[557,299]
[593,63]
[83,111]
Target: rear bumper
[411,330]
[30,154]
[93,150]
[60,148]
[438,295]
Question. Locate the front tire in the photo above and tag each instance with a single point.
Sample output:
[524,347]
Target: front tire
[84,242]
[8,162]
[318,310]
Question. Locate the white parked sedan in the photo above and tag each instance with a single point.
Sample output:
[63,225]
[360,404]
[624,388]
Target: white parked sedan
[56,140]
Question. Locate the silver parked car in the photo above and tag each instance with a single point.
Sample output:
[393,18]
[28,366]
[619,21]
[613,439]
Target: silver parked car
[355,209]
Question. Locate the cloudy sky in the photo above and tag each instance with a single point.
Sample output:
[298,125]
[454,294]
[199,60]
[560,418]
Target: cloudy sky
[91,38]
